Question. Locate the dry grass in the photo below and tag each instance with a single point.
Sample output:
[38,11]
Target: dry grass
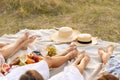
[99,17]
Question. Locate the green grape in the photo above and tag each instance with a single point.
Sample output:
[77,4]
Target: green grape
[51,50]
[21,63]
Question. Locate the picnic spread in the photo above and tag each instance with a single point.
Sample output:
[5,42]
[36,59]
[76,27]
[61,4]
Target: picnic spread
[44,39]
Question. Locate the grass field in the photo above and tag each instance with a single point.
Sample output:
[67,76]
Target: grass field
[98,17]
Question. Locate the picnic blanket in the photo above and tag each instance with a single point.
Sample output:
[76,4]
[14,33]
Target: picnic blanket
[43,40]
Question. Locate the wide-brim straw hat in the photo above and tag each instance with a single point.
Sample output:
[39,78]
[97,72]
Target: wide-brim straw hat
[64,34]
[85,39]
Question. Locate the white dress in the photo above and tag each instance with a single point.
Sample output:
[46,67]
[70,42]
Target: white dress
[41,67]
[69,73]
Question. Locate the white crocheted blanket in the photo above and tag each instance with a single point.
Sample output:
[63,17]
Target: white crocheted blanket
[43,40]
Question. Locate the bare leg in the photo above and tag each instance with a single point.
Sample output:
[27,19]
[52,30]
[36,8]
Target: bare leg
[81,61]
[3,44]
[19,41]
[11,49]
[105,55]
[101,52]
[57,61]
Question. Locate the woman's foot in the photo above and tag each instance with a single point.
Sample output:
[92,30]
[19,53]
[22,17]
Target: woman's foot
[27,42]
[69,49]
[81,62]
[101,52]
[109,49]
[72,54]
[23,38]
[104,56]
[78,59]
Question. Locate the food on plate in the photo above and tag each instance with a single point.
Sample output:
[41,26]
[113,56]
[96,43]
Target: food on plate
[26,59]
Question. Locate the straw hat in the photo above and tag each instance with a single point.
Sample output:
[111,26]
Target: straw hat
[64,34]
[85,39]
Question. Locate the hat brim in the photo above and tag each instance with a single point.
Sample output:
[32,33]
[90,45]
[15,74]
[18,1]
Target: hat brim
[56,38]
[94,42]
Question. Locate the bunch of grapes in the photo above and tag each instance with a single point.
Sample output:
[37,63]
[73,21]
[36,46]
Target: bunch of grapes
[51,50]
